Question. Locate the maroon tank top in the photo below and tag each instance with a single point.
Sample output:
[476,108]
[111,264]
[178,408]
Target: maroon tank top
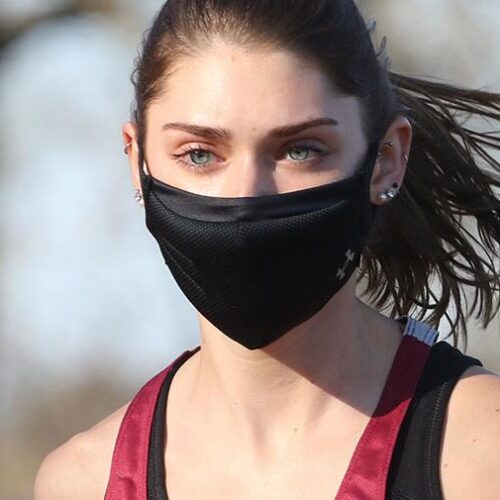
[366,475]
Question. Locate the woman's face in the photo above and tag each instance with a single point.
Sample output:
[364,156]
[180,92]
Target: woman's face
[233,122]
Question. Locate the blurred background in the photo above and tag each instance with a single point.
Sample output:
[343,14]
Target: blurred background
[88,310]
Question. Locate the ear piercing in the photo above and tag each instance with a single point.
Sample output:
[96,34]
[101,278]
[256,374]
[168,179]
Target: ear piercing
[389,194]
[138,197]
[137,193]
[391,145]
[392,192]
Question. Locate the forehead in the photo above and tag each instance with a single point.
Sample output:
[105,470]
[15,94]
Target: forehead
[238,86]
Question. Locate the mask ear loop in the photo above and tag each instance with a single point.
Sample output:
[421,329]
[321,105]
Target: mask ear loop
[144,177]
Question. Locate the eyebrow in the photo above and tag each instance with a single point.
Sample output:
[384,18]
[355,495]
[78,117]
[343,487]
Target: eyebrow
[222,133]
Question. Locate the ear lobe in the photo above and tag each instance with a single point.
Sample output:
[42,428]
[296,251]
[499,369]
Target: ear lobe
[129,134]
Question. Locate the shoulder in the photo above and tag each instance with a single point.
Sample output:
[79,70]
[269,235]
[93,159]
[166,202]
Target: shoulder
[470,457]
[79,468]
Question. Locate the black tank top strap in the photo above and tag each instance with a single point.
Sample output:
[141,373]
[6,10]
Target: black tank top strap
[414,472]
[414,467]
[156,467]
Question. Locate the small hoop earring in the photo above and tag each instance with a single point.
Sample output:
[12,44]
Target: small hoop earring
[125,150]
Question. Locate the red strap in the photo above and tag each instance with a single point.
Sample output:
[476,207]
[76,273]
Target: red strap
[128,476]
[366,476]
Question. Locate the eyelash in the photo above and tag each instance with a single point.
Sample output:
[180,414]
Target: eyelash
[206,167]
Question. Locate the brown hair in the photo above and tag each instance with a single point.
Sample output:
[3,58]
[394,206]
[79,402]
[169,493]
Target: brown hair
[428,231]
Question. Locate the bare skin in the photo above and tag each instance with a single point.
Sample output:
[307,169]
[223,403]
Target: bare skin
[283,421]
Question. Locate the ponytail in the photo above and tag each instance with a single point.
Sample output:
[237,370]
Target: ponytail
[440,237]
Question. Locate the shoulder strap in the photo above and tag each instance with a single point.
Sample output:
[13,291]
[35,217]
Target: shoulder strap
[128,475]
[366,476]
[415,466]
[156,460]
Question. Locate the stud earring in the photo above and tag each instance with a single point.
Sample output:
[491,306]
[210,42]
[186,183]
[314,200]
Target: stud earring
[389,144]
[138,197]
[389,194]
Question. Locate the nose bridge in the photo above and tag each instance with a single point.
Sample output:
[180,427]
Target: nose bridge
[249,176]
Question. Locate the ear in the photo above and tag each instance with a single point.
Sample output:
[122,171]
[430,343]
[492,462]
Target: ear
[129,134]
[391,164]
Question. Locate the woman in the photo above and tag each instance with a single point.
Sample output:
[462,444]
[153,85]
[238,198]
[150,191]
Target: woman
[270,150]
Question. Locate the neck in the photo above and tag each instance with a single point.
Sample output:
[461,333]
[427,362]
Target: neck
[335,362]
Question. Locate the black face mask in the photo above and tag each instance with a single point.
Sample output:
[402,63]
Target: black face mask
[256,267]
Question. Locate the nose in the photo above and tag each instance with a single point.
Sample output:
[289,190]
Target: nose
[249,176]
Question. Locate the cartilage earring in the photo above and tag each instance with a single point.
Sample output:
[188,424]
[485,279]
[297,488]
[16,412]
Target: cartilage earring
[138,197]
[390,144]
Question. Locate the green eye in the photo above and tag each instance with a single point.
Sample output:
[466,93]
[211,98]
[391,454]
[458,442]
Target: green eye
[301,153]
[197,159]
[200,153]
